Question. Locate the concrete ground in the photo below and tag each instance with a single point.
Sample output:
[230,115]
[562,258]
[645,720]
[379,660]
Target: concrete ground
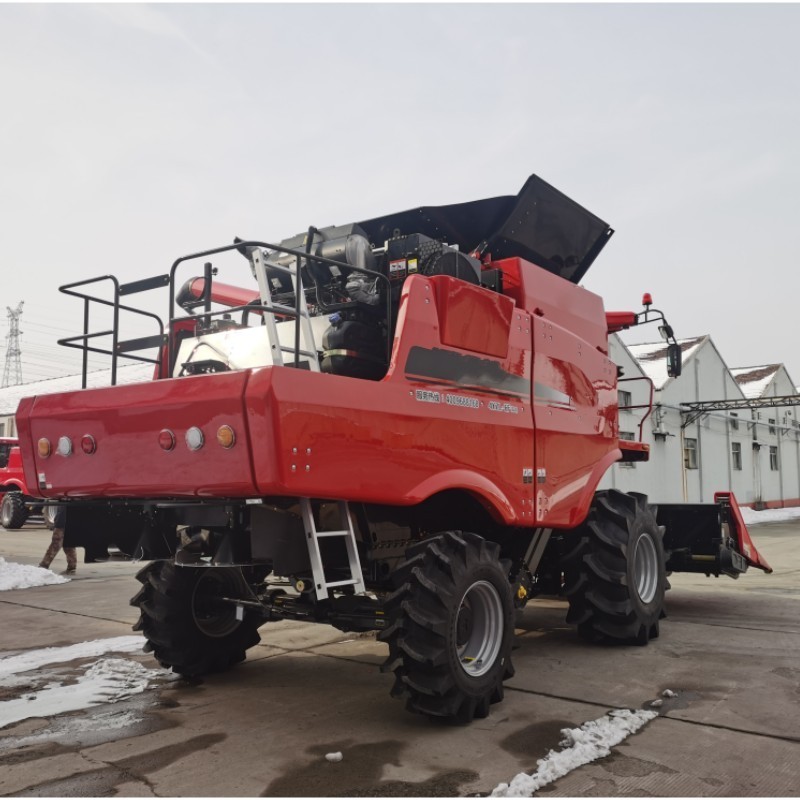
[730,649]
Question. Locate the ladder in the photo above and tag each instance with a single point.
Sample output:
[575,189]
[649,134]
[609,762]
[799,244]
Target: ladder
[313,535]
[304,320]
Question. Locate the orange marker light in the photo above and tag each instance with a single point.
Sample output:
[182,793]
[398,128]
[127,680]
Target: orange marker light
[44,448]
[226,437]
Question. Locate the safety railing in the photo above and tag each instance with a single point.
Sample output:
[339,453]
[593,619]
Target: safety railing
[118,348]
[300,276]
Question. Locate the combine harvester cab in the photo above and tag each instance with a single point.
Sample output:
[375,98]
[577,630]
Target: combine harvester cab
[400,427]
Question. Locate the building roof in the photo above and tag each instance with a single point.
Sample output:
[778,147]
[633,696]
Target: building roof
[11,395]
[753,381]
[652,357]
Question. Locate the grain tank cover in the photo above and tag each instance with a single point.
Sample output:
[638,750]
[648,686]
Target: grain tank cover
[540,224]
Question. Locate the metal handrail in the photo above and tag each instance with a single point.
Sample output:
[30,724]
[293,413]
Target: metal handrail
[71,341]
[648,406]
[286,310]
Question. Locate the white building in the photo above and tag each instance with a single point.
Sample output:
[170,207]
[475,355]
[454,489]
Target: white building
[753,452]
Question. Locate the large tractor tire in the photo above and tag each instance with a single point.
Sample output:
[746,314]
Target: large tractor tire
[187,625]
[13,511]
[615,575]
[450,626]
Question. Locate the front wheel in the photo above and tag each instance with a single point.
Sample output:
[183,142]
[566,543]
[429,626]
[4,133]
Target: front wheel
[450,627]
[13,511]
[188,624]
[615,574]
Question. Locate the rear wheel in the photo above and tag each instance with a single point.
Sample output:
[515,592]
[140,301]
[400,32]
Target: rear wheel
[615,575]
[49,516]
[13,511]
[450,627]
[187,623]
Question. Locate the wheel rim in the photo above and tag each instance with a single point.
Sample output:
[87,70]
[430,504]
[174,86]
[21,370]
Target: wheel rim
[479,628]
[645,564]
[6,511]
[212,615]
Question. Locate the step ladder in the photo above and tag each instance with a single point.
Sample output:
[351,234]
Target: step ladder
[304,320]
[313,535]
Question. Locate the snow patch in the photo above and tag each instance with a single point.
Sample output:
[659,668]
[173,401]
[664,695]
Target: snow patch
[582,745]
[105,681]
[334,756]
[23,576]
[669,693]
[34,659]
[752,517]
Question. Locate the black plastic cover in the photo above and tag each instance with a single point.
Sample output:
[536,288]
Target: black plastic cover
[540,224]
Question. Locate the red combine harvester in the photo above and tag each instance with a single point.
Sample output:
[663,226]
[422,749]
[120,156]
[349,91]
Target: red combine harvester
[400,428]
[17,505]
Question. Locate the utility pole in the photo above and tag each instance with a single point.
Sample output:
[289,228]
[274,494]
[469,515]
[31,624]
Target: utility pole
[12,374]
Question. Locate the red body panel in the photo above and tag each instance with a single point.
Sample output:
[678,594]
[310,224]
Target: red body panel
[518,410]
[12,475]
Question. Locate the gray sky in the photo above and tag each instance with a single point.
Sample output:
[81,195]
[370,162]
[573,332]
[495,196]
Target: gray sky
[131,135]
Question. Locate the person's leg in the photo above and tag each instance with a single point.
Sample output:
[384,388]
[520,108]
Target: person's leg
[55,546]
[72,558]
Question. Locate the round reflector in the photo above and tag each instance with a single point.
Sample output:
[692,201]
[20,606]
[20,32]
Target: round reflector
[88,444]
[166,439]
[44,448]
[226,437]
[64,446]
[194,438]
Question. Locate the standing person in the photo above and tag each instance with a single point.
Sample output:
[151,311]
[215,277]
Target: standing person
[57,542]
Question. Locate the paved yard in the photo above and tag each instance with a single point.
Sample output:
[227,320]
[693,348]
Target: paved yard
[730,649]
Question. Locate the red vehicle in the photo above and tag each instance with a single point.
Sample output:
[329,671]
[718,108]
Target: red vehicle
[401,427]
[16,503]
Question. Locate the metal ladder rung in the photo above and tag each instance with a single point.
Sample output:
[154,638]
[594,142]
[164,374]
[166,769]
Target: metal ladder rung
[320,534]
[289,349]
[356,579]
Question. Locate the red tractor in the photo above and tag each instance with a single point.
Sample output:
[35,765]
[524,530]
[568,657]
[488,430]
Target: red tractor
[401,427]
[16,503]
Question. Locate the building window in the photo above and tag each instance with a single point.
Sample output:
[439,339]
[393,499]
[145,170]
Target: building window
[625,399]
[734,420]
[690,454]
[773,458]
[2,429]
[628,436]
[771,425]
[736,455]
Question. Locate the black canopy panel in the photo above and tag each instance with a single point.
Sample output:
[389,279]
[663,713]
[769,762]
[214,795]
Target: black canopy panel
[540,224]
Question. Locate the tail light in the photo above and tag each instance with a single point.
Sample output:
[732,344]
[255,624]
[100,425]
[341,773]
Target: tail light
[166,439]
[194,438]
[88,444]
[226,437]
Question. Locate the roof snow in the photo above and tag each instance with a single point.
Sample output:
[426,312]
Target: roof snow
[129,373]
[754,380]
[652,357]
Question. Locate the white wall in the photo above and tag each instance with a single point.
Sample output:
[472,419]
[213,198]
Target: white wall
[706,377]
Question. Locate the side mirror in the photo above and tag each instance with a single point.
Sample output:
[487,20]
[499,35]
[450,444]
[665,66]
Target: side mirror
[674,360]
